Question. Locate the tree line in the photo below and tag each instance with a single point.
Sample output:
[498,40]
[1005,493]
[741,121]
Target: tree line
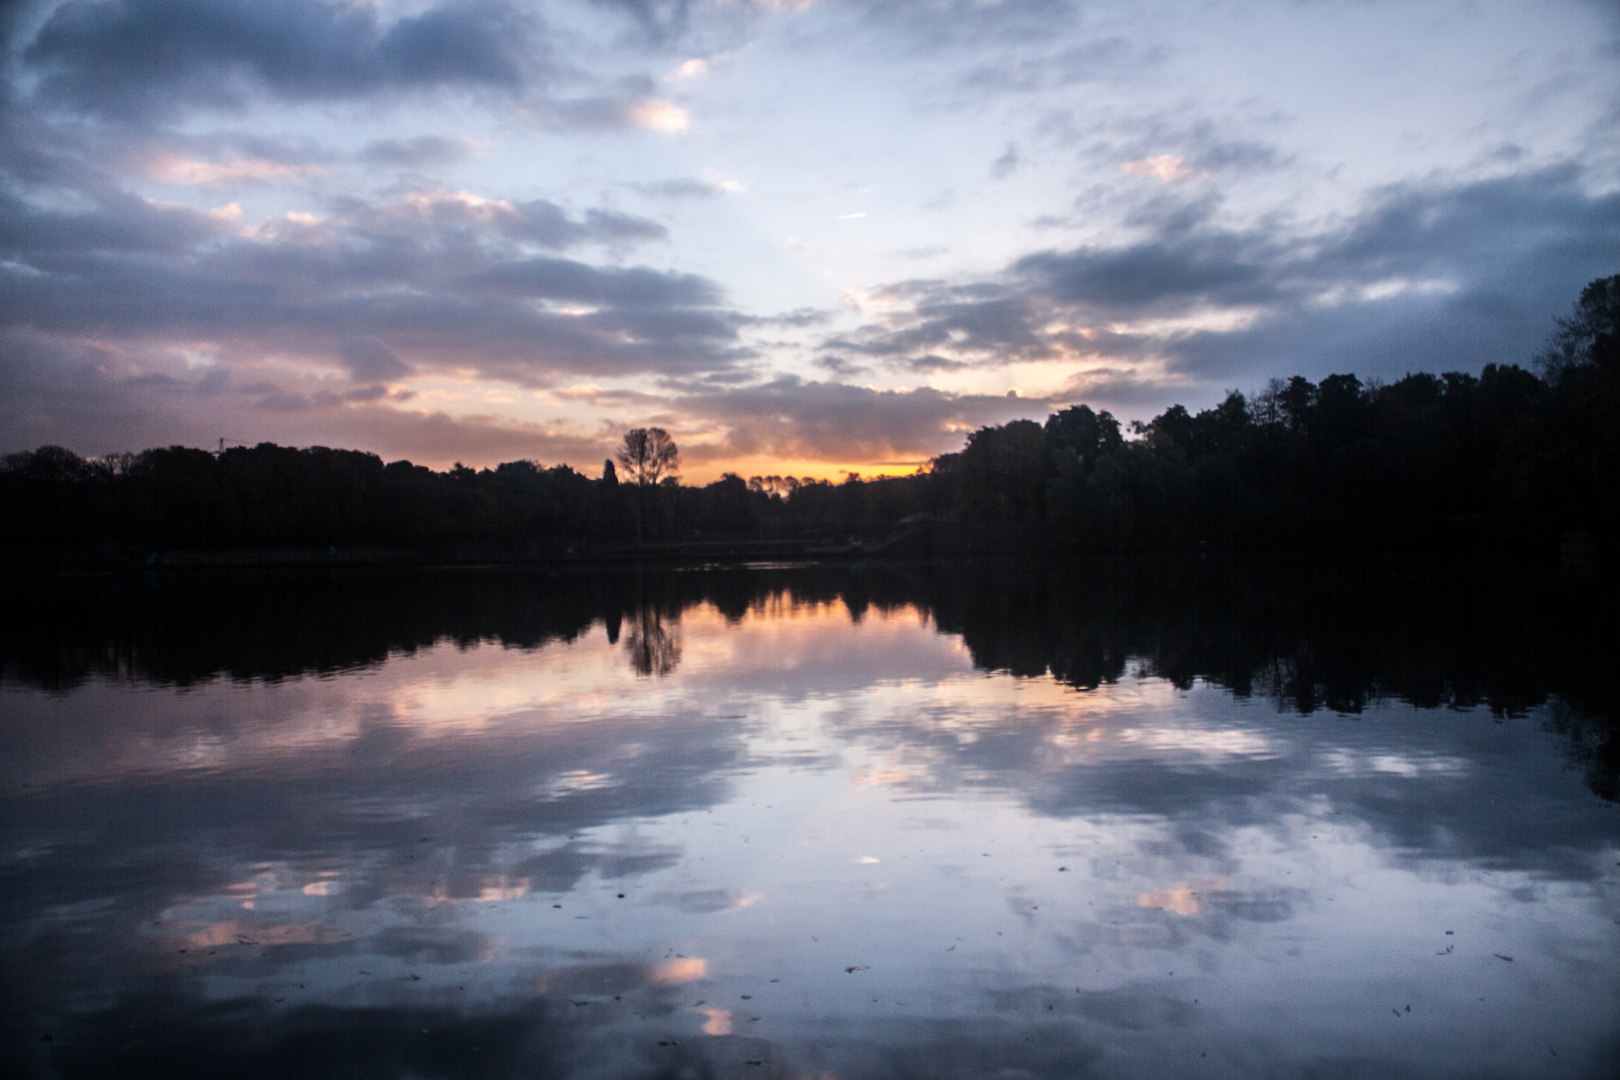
[1512,456]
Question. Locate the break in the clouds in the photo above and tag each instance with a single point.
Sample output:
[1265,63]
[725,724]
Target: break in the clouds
[830,234]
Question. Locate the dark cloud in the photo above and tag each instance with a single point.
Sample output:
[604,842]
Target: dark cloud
[1235,155]
[538,221]
[931,25]
[147,57]
[828,421]
[1067,66]
[1120,387]
[1148,277]
[564,279]
[657,20]
[123,225]
[282,401]
[419,151]
[595,112]
[798,318]
[839,366]
[369,360]
[680,188]
[987,321]
[1200,147]
[930,362]
[1007,164]
[1430,277]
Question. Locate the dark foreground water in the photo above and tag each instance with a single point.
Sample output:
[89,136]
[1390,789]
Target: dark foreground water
[1124,820]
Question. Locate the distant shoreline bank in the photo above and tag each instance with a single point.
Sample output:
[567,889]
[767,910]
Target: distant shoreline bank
[932,542]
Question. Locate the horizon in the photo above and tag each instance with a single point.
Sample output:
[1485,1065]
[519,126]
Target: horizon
[806,237]
[883,470]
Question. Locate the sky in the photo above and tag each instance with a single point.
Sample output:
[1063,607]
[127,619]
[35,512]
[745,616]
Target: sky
[804,236]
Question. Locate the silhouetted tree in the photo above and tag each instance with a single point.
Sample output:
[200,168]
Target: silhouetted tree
[650,455]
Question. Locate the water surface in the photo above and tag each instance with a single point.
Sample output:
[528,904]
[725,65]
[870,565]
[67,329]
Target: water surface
[1134,820]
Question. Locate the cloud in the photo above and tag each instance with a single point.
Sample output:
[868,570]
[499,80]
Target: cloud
[828,421]
[655,114]
[934,25]
[369,360]
[420,151]
[691,69]
[564,279]
[1166,167]
[1152,276]
[657,20]
[1007,164]
[292,254]
[1423,276]
[182,170]
[841,367]
[990,322]
[798,317]
[538,221]
[149,57]
[929,362]
[154,61]
[1170,148]
[1025,72]
[687,188]
[99,400]
[606,112]
[108,301]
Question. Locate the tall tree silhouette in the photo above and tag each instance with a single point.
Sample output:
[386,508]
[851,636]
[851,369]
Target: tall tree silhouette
[651,457]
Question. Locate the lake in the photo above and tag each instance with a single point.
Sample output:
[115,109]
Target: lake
[1347,818]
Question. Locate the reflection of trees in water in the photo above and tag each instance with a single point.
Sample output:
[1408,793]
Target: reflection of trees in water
[653,649]
[1330,633]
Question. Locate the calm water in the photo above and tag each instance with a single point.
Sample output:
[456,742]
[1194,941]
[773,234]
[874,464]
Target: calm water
[1134,820]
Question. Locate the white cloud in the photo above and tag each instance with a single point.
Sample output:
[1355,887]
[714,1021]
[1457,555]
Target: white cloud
[173,169]
[1166,167]
[692,69]
[656,114]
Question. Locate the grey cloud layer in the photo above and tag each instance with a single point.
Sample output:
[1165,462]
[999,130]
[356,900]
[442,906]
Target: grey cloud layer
[432,273]
[142,57]
[147,62]
[1426,276]
[84,396]
[789,417]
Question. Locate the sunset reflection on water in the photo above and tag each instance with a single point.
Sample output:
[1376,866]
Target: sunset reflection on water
[810,840]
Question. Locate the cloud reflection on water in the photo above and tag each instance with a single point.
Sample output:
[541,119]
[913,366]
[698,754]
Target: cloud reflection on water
[507,835]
